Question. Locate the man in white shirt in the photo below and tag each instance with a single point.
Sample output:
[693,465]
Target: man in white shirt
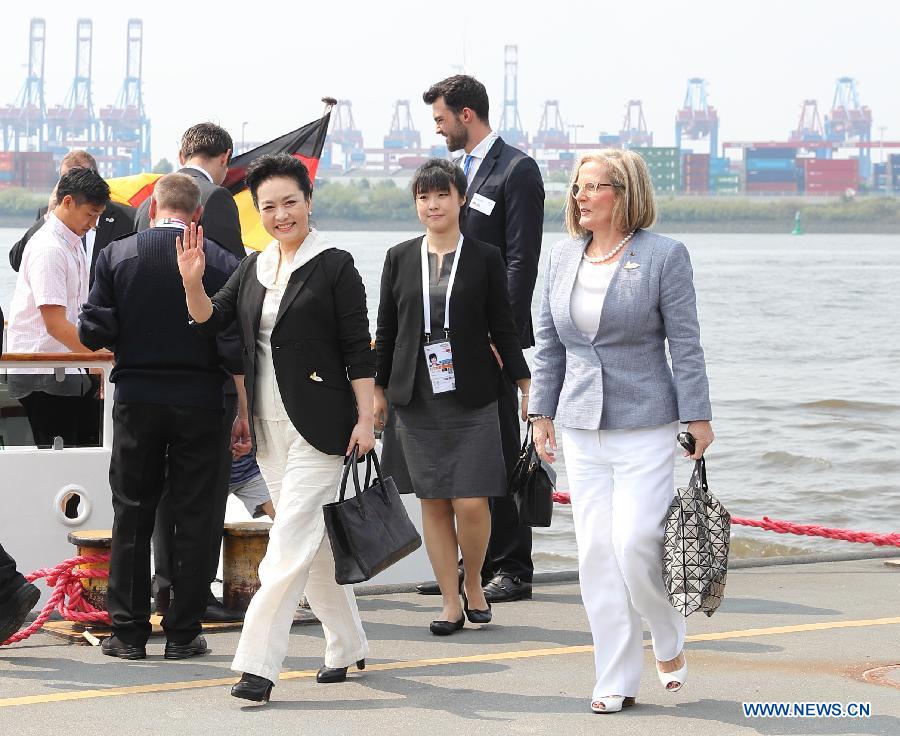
[51,287]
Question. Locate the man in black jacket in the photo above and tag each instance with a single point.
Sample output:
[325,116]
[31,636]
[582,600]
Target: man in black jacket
[204,156]
[17,595]
[504,207]
[115,222]
[167,418]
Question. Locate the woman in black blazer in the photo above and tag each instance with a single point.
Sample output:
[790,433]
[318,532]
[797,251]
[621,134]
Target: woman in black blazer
[439,355]
[300,307]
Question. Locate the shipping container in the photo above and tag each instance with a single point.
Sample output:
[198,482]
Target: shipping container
[770,153]
[771,176]
[770,164]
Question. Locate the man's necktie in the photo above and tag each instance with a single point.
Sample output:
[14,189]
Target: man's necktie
[467,164]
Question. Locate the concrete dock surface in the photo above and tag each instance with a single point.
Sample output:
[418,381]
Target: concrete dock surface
[827,632]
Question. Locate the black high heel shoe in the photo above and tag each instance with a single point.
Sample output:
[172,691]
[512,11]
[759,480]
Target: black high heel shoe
[476,616]
[253,688]
[445,628]
[337,674]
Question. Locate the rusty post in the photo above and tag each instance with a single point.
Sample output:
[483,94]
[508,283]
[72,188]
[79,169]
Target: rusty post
[92,542]
[244,547]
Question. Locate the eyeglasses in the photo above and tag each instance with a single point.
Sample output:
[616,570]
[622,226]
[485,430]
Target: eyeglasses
[590,188]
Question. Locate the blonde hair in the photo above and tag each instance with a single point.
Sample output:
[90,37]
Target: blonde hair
[78,158]
[634,206]
[177,193]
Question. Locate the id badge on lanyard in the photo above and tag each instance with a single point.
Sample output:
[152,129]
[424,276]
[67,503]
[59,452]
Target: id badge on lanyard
[438,354]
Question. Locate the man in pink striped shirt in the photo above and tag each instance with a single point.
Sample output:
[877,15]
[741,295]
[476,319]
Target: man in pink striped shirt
[51,287]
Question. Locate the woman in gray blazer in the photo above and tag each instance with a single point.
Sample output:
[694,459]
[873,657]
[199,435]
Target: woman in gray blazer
[614,295]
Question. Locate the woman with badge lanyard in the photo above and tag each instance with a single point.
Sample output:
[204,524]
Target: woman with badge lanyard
[444,309]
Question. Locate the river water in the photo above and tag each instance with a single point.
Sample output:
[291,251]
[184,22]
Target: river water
[803,354]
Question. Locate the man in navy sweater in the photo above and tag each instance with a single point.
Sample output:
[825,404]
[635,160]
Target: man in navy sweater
[167,417]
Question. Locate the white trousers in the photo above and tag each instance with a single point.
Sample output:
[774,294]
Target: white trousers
[621,483]
[298,559]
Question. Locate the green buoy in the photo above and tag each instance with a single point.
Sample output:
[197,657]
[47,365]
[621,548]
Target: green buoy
[798,229]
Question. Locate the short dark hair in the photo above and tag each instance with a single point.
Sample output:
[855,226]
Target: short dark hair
[438,175]
[279,164]
[83,185]
[460,91]
[205,139]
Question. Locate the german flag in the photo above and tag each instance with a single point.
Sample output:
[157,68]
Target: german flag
[305,144]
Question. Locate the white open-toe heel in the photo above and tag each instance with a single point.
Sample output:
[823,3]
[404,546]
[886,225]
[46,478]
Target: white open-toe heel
[673,681]
[611,703]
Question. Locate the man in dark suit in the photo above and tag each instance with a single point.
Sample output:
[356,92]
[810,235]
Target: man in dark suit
[17,595]
[504,207]
[167,418]
[115,222]
[204,156]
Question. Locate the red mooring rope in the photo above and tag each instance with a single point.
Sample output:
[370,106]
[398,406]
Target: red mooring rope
[789,527]
[66,583]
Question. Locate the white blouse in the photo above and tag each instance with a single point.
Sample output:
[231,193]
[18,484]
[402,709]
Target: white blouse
[274,272]
[591,285]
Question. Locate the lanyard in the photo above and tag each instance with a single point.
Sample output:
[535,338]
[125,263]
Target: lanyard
[426,298]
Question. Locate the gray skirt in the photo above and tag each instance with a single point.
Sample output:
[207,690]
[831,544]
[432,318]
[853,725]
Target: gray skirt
[437,448]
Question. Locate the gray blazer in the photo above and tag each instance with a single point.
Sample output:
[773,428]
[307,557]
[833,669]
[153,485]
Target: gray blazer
[621,379]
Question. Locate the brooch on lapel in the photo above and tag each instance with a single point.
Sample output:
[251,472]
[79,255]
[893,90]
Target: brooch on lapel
[631,265]
[315,377]
[110,219]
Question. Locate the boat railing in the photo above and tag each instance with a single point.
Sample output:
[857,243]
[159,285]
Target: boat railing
[59,362]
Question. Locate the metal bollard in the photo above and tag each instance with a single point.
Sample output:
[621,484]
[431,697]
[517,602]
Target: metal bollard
[243,549]
[92,542]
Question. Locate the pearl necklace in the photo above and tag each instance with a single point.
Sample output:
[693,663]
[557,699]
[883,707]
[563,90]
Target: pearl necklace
[609,255]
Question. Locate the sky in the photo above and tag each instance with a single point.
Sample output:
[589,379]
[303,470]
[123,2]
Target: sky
[268,64]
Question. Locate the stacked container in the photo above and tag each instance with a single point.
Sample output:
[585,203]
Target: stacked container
[36,170]
[695,173]
[893,172]
[7,170]
[770,170]
[721,179]
[879,177]
[830,176]
[664,167]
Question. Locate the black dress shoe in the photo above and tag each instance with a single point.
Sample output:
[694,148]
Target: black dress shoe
[445,628]
[253,687]
[337,674]
[115,647]
[432,588]
[503,588]
[15,609]
[193,648]
[216,613]
[475,615]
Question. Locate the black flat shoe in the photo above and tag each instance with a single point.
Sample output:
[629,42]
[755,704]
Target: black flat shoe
[476,616]
[253,687]
[115,647]
[445,628]
[193,648]
[337,674]
[16,608]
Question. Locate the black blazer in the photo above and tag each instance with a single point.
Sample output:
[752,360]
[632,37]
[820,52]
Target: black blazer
[220,219]
[322,331]
[115,222]
[479,313]
[511,179]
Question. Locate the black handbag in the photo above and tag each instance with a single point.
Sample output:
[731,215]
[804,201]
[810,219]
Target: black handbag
[370,531]
[531,484]
[695,549]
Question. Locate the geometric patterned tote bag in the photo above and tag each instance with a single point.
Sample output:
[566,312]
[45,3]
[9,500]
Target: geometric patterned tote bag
[695,551]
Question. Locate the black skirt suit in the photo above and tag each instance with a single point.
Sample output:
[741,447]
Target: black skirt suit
[446,445]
